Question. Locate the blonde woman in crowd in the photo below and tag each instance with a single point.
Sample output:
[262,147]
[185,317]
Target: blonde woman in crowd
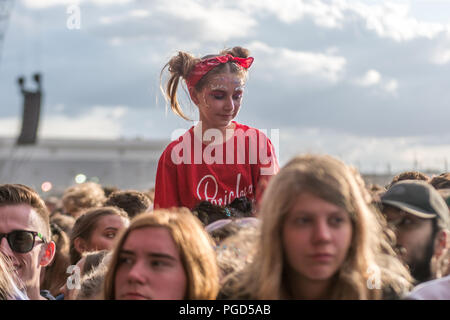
[163,255]
[320,239]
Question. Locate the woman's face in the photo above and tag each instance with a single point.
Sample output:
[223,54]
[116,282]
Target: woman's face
[150,267]
[316,237]
[219,100]
[104,235]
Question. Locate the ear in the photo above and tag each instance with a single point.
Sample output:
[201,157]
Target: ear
[441,243]
[80,245]
[48,255]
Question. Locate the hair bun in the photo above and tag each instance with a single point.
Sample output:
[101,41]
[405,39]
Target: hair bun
[239,52]
[182,64]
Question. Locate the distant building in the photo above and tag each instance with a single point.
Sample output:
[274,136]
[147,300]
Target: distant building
[122,163]
[126,164]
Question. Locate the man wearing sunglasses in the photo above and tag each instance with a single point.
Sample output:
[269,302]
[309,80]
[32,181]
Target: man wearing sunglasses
[25,235]
[419,217]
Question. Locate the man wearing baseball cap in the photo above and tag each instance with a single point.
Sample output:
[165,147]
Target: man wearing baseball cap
[420,218]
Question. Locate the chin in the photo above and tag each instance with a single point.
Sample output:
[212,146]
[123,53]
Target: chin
[224,123]
[320,274]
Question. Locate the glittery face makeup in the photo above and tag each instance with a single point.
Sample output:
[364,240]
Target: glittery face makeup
[220,100]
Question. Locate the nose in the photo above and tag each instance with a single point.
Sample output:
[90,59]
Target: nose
[137,273]
[229,105]
[321,232]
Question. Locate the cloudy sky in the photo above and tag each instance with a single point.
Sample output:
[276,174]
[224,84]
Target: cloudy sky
[368,81]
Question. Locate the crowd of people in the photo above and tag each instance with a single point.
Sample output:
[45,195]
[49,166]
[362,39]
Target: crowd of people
[225,222]
[319,233]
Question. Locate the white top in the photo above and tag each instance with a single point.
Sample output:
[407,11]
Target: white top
[438,289]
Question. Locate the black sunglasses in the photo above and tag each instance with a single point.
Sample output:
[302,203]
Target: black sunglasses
[21,241]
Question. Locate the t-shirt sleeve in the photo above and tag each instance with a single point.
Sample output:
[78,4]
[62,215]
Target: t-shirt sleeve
[166,193]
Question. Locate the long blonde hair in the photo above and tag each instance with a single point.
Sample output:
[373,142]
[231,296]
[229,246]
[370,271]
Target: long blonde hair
[194,244]
[181,65]
[10,283]
[370,253]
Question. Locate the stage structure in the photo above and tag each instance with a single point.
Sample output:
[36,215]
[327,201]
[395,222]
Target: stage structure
[31,111]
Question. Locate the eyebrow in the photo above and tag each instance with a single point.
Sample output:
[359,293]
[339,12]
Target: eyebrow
[225,90]
[111,228]
[313,213]
[150,254]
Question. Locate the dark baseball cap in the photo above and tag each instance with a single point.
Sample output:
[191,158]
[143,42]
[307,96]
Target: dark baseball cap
[418,198]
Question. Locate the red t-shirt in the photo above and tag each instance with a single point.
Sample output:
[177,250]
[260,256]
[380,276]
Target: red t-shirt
[190,171]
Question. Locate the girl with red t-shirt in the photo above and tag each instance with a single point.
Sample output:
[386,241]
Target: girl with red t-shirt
[217,160]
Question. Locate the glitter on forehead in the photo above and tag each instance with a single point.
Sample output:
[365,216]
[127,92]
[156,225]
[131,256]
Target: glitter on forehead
[221,82]
[218,87]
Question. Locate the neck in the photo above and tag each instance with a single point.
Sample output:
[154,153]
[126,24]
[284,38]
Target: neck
[226,132]
[306,289]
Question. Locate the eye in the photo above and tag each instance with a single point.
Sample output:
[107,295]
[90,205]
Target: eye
[158,263]
[300,221]
[218,96]
[336,221]
[110,235]
[237,96]
[125,260]
[405,222]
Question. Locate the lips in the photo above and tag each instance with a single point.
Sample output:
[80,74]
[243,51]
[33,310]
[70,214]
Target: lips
[322,257]
[134,296]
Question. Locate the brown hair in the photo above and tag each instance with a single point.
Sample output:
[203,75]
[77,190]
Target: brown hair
[133,202]
[92,281]
[237,250]
[86,224]
[441,181]
[81,197]
[409,175]
[63,221]
[208,212]
[181,65]
[92,260]
[17,194]
[55,274]
[194,245]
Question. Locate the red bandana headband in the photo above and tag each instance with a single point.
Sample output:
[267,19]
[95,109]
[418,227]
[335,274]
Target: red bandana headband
[204,66]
